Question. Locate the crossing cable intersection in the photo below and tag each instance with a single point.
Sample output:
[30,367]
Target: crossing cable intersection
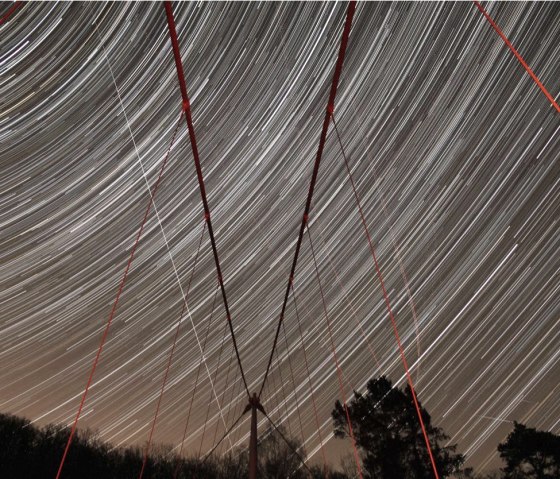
[200,177]
[116,302]
[328,113]
[170,357]
[388,306]
[187,112]
[304,223]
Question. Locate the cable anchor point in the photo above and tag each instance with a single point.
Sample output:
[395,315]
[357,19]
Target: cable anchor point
[254,403]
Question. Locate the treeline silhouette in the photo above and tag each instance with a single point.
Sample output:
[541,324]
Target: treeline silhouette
[30,452]
[384,420]
[391,443]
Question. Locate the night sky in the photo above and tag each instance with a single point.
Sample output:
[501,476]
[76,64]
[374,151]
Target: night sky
[456,156]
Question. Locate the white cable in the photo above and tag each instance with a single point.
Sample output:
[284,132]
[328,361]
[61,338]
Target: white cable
[163,233]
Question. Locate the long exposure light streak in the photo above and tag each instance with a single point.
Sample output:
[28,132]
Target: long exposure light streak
[179,284]
[445,131]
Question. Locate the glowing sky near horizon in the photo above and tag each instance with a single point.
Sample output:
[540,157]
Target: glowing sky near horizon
[456,156]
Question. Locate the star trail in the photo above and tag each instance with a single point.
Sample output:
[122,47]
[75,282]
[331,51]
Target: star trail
[455,154]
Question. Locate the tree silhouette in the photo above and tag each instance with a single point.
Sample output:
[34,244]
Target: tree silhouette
[530,454]
[34,453]
[17,437]
[389,436]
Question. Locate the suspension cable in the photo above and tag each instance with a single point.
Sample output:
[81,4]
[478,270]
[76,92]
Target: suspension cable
[337,364]
[390,312]
[187,110]
[196,382]
[113,310]
[293,381]
[294,452]
[518,56]
[175,271]
[329,112]
[223,437]
[309,379]
[10,12]
[215,377]
[170,360]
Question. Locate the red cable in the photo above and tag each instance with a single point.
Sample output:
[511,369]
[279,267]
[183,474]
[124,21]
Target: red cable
[403,272]
[187,110]
[346,297]
[121,286]
[333,349]
[309,378]
[518,56]
[10,11]
[390,311]
[328,114]
[147,450]
[196,382]
[395,247]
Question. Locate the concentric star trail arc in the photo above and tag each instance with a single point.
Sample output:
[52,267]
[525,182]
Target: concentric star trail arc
[455,152]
